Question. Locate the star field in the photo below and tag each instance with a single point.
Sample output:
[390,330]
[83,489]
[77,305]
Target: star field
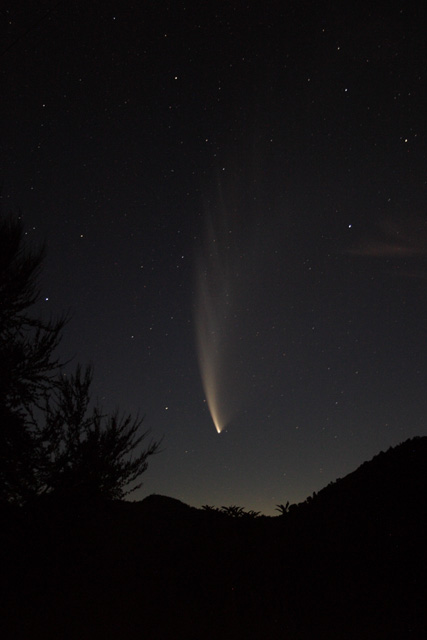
[269,157]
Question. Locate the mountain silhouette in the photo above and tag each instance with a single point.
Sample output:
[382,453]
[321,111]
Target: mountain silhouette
[396,475]
[349,562]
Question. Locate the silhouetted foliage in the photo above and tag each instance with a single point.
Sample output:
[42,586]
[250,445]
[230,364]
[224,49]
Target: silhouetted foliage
[27,342]
[51,441]
[27,361]
[283,508]
[233,511]
[209,507]
[349,564]
[89,454]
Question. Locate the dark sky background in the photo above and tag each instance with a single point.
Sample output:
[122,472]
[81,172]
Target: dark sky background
[233,200]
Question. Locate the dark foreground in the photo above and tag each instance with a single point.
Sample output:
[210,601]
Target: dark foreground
[348,564]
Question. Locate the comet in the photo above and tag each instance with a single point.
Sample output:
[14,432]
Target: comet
[216,309]
[212,333]
[211,341]
[230,263]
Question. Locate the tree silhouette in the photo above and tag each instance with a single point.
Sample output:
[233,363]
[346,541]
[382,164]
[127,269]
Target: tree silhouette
[51,439]
[27,343]
[90,455]
[27,363]
[283,508]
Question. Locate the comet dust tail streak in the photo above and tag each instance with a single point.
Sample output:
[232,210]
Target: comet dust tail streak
[227,272]
[209,360]
[215,331]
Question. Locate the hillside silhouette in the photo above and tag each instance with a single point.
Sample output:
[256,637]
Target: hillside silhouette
[349,562]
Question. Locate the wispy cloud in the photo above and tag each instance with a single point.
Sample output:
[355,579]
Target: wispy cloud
[391,239]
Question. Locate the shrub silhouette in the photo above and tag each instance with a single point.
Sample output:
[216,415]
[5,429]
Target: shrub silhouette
[233,511]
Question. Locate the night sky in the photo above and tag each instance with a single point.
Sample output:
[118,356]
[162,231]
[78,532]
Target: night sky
[232,195]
